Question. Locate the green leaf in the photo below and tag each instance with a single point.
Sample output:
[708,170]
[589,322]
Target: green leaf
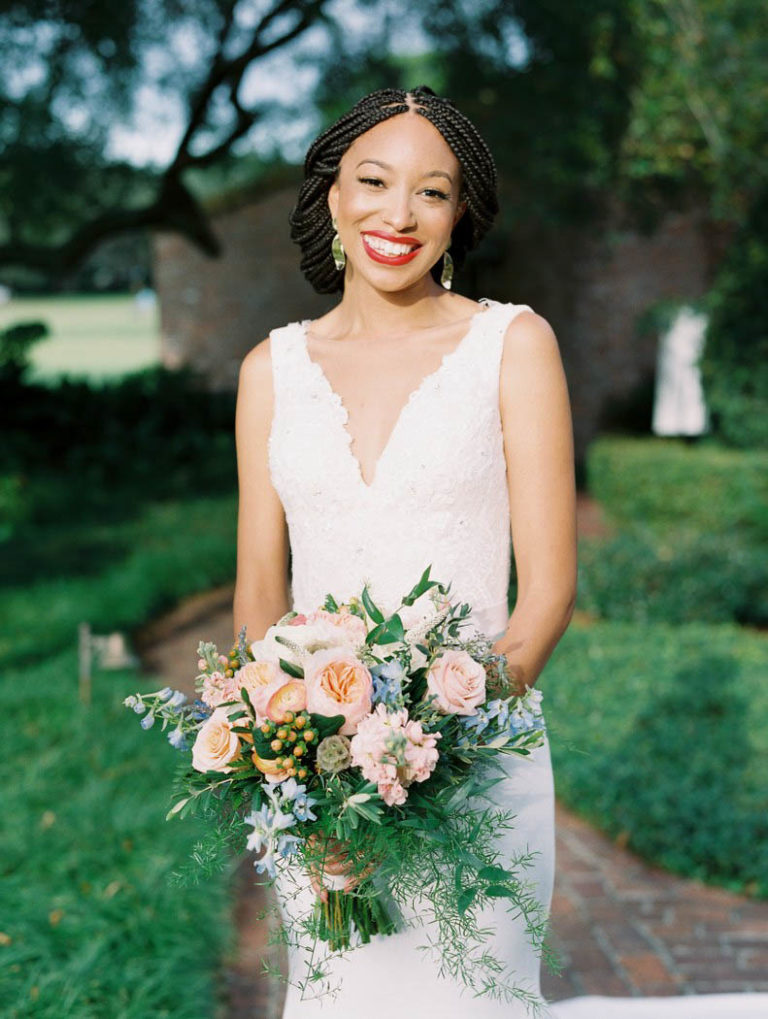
[246,698]
[330,604]
[499,892]
[495,874]
[261,744]
[293,670]
[466,899]
[371,608]
[326,725]
[177,807]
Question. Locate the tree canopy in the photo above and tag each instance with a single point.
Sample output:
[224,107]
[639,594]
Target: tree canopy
[651,99]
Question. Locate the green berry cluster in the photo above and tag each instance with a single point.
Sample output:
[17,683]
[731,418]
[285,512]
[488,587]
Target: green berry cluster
[293,739]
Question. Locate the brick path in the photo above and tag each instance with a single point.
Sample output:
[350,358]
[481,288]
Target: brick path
[622,928]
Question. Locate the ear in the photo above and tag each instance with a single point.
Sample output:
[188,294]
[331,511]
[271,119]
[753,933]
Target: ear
[333,198]
[461,208]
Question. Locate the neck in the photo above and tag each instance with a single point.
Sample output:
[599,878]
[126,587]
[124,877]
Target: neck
[364,310]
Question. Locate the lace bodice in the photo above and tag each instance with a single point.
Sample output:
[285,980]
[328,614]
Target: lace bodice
[439,493]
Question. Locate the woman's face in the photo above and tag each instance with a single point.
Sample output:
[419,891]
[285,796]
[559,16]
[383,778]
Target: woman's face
[396,201]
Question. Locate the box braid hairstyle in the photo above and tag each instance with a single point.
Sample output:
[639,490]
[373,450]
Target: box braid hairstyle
[310,219]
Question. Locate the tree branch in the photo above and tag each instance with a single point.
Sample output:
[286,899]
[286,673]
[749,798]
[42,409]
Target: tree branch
[174,208]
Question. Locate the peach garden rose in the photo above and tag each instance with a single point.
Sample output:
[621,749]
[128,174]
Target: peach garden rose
[216,745]
[457,681]
[338,684]
[261,680]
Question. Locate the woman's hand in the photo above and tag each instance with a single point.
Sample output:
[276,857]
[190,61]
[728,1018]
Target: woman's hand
[332,857]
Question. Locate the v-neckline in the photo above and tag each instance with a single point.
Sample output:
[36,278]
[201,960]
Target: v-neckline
[426,380]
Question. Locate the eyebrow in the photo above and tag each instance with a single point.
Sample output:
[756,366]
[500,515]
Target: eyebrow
[386,166]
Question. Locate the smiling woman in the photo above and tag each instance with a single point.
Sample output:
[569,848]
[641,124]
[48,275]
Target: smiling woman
[408,426]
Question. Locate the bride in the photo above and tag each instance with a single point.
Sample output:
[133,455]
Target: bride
[408,426]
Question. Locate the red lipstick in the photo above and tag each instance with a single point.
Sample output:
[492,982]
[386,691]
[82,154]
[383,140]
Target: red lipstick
[391,259]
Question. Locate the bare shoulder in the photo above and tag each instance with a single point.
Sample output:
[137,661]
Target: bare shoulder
[532,372]
[530,335]
[257,364]
[255,393]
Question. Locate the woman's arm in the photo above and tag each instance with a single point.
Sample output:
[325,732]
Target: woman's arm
[538,447]
[261,588]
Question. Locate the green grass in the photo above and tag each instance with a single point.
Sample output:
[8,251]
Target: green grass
[92,337]
[91,925]
[660,734]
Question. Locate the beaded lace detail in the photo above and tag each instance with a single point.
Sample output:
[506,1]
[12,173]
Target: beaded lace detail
[439,489]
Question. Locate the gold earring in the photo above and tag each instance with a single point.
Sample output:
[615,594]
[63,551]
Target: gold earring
[447,273]
[337,249]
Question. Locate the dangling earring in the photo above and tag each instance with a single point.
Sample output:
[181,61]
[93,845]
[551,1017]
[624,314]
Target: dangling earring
[337,249]
[447,274]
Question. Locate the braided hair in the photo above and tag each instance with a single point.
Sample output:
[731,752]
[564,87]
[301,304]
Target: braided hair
[310,219]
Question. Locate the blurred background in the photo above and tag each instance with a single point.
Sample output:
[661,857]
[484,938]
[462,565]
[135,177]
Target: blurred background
[151,153]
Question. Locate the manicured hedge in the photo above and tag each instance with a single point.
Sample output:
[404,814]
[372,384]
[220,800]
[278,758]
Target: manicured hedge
[660,735]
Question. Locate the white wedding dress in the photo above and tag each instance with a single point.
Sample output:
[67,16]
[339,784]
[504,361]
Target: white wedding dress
[438,496]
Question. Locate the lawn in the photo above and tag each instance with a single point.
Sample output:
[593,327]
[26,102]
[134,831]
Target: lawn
[90,922]
[93,337]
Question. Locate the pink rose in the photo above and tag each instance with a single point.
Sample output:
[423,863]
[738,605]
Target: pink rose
[457,681]
[351,627]
[261,680]
[216,745]
[338,684]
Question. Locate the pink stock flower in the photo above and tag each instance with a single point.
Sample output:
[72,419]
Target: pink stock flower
[393,751]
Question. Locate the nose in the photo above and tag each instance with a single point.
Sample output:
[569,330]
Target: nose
[398,212]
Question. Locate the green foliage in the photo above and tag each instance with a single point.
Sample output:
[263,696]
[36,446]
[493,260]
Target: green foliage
[735,360]
[666,482]
[97,926]
[15,344]
[678,578]
[172,550]
[693,533]
[659,735]
[153,433]
[697,122]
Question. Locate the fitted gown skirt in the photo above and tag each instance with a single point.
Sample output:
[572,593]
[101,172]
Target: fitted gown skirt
[392,976]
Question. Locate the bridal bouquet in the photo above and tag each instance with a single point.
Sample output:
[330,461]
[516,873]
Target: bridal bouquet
[350,735]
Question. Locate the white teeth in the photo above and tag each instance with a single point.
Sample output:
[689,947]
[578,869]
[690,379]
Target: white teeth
[387,247]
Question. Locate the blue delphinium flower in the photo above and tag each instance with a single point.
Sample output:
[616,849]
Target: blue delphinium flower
[200,710]
[498,711]
[479,721]
[266,862]
[165,693]
[387,683]
[178,739]
[178,698]
[261,821]
[295,795]
[287,845]
[147,721]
